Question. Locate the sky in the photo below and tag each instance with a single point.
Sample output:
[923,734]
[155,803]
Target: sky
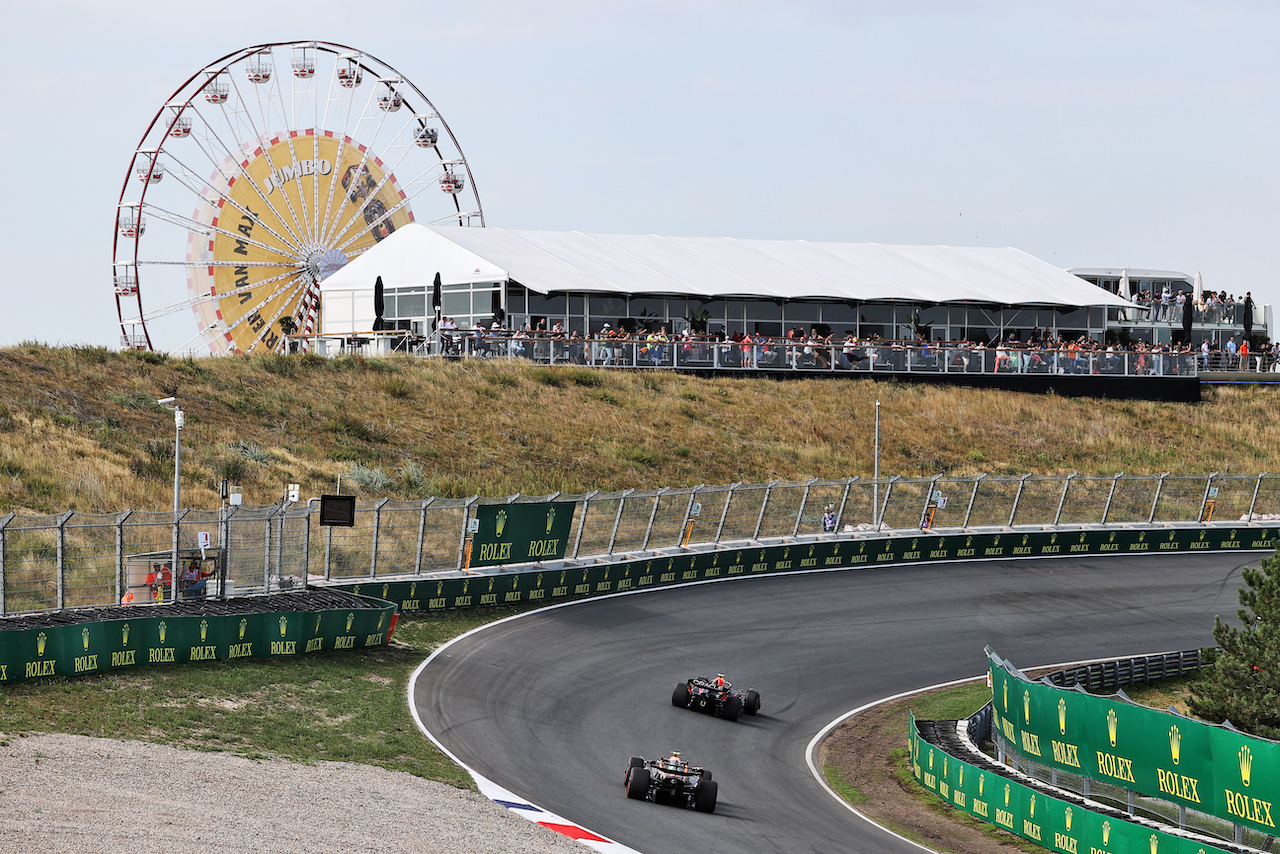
[1089,134]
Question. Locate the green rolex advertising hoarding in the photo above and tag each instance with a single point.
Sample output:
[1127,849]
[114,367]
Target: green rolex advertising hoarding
[1209,768]
[521,533]
[84,648]
[1052,823]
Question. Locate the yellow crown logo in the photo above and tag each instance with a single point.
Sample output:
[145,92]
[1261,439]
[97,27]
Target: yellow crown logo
[284,624]
[1066,818]
[1082,536]
[944,765]
[1112,538]
[1106,833]
[1155,843]
[1005,686]
[501,523]
[968,541]
[562,574]
[124,635]
[1024,539]
[244,624]
[439,587]
[811,548]
[539,580]
[385,589]
[413,590]
[1006,794]
[41,640]
[786,553]
[1175,743]
[350,619]
[381,619]
[551,519]
[930,760]
[317,628]
[84,636]
[996,541]
[204,630]
[1026,707]
[164,630]
[1246,765]
[960,784]
[1053,539]
[1062,715]
[1112,724]
[1202,533]
[913,546]
[982,783]
[1032,808]
[491,580]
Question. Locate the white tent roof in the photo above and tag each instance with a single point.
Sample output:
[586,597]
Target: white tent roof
[558,261]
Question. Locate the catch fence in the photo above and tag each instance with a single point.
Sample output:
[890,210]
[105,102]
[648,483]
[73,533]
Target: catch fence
[72,560]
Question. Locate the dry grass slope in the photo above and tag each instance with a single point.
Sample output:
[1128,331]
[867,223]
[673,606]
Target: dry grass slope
[80,430]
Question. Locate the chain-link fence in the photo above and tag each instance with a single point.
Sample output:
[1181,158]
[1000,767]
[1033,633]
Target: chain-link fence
[81,560]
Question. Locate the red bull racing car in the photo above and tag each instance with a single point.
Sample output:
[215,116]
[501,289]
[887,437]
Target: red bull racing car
[671,781]
[715,696]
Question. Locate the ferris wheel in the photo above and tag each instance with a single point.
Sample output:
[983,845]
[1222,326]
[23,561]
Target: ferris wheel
[265,172]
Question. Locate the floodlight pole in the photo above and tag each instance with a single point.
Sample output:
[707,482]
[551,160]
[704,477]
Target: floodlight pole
[875,511]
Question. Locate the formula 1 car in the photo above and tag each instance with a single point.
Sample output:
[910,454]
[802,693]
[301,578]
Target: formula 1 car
[671,781]
[715,696]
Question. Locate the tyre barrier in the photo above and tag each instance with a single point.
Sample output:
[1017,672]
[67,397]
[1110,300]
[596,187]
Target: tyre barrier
[84,642]
[562,580]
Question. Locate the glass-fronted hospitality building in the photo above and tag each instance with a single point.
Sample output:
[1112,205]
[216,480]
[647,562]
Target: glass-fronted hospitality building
[764,288]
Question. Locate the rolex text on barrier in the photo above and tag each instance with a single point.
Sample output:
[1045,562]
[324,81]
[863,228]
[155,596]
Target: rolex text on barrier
[1209,768]
[1049,822]
[534,585]
[521,533]
[84,648]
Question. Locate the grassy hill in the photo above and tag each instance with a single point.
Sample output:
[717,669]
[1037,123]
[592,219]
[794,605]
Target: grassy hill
[80,429]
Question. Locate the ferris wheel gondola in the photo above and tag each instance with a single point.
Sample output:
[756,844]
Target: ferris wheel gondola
[251,185]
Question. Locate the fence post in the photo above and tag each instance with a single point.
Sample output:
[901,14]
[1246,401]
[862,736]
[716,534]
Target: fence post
[763,506]
[653,514]
[586,506]
[1022,482]
[972,497]
[724,512]
[804,502]
[377,529]
[4,523]
[1066,484]
[266,550]
[888,492]
[120,579]
[1257,486]
[1159,488]
[1204,499]
[422,530]
[306,546]
[62,558]
[617,520]
[462,535]
[844,500]
[1106,511]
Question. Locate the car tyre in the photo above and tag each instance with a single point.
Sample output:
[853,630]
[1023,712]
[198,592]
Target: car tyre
[635,762]
[751,702]
[732,707]
[638,783]
[704,798]
[680,696]
[706,776]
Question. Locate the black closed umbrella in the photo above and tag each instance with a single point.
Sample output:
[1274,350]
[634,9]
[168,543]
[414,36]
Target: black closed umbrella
[435,300]
[1188,314]
[379,305]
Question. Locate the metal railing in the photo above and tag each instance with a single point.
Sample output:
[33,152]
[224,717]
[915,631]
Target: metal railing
[84,560]
[770,355]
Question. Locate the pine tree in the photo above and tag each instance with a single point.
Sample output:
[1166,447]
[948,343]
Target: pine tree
[1244,686]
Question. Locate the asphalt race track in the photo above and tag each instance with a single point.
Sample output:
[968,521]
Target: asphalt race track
[552,704]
